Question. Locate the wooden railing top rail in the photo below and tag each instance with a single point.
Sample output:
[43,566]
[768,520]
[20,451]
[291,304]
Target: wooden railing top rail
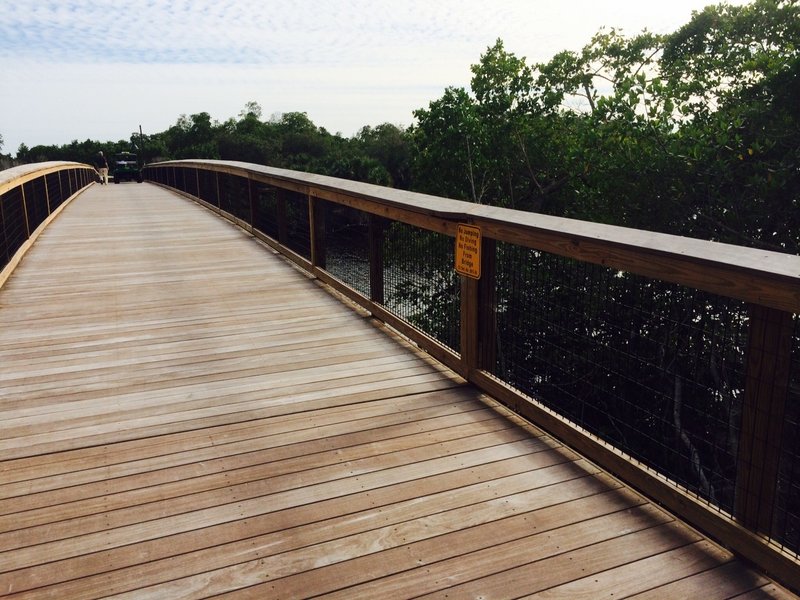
[757,276]
[15,176]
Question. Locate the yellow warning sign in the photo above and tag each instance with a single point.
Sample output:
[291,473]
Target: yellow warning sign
[468,251]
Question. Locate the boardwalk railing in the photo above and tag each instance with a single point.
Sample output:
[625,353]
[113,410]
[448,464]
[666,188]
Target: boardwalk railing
[29,196]
[669,361]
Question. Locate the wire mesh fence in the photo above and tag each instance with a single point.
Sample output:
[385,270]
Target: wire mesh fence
[191,181]
[234,197]
[786,516]
[55,194]
[347,245]
[36,202]
[5,254]
[298,230]
[653,368]
[207,187]
[421,285]
[15,230]
[265,210]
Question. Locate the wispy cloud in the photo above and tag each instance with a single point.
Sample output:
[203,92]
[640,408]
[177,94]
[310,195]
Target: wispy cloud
[84,68]
[235,32]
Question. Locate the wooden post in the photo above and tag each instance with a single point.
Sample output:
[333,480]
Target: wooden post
[487,307]
[316,224]
[60,189]
[469,326]
[251,194]
[216,185]
[478,320]
[377,227]
[46,194]
[25,212]
[766,388]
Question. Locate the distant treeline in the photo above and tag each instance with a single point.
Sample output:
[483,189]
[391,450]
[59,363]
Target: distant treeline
[694,133]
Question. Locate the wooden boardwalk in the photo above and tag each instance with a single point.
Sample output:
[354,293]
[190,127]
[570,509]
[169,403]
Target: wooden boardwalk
[184,414]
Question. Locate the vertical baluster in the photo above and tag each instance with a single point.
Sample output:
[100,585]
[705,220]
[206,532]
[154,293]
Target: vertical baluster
[766,388]
[316,223]
[251,195]
[377,229]
[487,307]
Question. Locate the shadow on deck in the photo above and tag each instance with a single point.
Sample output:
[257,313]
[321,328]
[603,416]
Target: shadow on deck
[184,414]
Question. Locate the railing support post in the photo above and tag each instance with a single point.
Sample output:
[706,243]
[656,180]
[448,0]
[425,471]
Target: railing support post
[316,223]
[766,389]
[487,306]
[47,195]
[469,325]
[25,212]
[61,195]
[251,194]
[377,227]
[478,321]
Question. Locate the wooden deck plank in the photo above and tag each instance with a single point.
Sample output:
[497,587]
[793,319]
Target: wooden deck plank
[281,441]
[239,481]
[184,414]
[725,581]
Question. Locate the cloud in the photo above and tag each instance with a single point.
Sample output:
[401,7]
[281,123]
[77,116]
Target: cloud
[97,68]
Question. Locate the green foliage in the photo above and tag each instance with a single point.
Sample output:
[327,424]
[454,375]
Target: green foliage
[695,133]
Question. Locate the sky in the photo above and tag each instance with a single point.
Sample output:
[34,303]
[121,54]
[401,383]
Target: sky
[99,69]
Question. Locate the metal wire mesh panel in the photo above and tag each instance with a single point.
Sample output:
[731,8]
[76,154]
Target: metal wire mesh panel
[192,186]
[298,234]
[180,178]
[421,284]
[5,256]
[54,194]
[207,189]
[35,202]
[14,228]
[157,174]
[786,526]
[265,210]
[347,245]
[67,182]
[234,197]
[653,368]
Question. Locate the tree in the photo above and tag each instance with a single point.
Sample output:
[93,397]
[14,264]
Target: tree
[251,109]
[733,72]
[192,137]
[389,146]
[450,148]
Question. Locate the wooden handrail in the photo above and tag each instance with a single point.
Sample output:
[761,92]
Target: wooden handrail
[17,176]
[756,276]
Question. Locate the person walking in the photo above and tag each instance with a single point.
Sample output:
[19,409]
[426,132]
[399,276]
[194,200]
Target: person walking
[101,164]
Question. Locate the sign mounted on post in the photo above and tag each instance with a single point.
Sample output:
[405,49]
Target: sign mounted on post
[468,251]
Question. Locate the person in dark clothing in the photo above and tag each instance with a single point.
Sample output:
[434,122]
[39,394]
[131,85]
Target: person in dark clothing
[101,164]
